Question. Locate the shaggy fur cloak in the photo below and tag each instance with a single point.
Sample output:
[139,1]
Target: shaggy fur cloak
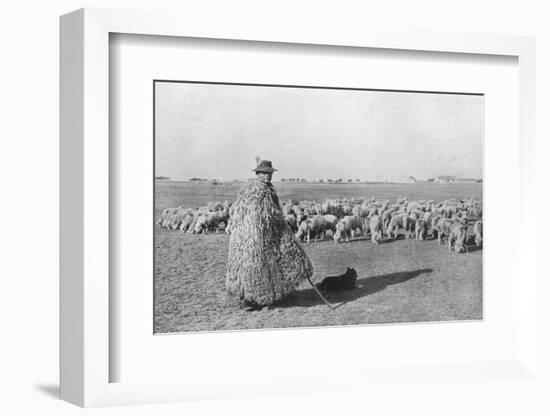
[265,262]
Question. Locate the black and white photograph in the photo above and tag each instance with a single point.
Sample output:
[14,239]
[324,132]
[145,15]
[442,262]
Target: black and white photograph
[284,206]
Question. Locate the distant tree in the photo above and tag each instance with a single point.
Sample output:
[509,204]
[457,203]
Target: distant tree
[321,180]
[350,180]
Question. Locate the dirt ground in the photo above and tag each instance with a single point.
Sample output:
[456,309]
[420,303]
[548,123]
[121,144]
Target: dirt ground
[398,281]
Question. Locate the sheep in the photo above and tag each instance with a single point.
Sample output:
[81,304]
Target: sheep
[209,221]
[198,212]
[375,226]
[409,224]
[443,227]
[187,221]
[348,217]
[169,215]
[398,221]
[215,206]
[165,213]
[331,221]
[314,226]
[360,211]
[457,234]
[386,216]
[178,217]
[346,227]
[420,229]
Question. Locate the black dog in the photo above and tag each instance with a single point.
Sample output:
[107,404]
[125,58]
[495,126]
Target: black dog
[344,281]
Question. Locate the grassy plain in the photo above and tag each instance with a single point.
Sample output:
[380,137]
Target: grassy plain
[398,281]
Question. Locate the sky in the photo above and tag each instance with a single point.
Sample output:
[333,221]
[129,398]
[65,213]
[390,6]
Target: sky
[216,132]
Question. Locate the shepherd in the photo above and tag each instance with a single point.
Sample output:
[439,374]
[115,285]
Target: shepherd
[265,262]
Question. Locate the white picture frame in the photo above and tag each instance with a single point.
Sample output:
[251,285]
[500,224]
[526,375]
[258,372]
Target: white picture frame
[85,355]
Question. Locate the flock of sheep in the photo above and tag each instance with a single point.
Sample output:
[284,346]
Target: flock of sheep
[343,219]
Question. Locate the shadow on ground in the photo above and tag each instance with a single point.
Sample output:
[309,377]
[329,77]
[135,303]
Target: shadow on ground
[364,287]
[51,390]
[473,247]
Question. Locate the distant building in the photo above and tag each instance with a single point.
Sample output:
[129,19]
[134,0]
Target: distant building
[466,180]
[445,179]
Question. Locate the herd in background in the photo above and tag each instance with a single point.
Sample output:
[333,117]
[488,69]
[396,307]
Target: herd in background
[344,219]
[214,217]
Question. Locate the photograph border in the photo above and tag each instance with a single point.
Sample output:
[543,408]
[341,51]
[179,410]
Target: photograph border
[313,87]
[84,185]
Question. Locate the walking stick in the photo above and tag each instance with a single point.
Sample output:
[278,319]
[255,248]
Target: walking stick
[320,295]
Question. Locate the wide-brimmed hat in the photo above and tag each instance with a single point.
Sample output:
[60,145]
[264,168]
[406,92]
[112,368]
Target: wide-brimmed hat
[265,167]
